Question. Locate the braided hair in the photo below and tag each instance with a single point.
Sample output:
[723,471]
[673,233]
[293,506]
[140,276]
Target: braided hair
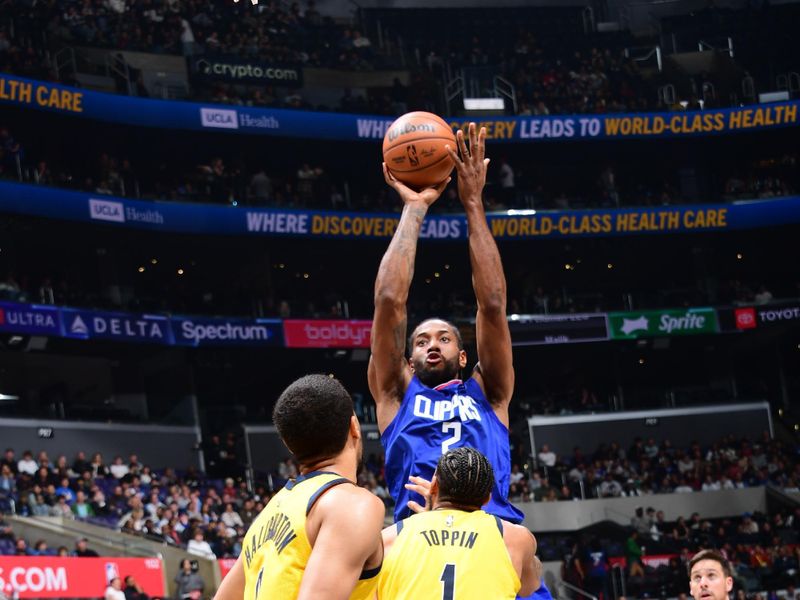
[465,477]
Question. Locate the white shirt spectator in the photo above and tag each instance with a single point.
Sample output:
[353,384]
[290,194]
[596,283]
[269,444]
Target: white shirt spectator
[684,489]
[119,471]
[547,457]
[232,520]
[113,594]
[711,486]
[200,548]
[28,466]
[117,6]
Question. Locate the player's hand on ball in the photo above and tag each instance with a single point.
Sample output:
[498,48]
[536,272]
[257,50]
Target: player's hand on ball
[471,165]
[422,487]
[427,196]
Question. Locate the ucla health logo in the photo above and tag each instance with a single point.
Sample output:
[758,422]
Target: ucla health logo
[106,210]
[219,117]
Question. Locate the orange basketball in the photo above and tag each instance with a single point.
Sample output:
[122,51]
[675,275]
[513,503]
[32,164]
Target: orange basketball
[413,149]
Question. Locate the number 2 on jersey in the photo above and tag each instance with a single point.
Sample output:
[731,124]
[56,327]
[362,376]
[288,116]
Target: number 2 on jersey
[448,580]
[455,427]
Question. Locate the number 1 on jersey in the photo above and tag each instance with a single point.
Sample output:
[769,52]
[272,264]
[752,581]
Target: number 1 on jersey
[448,580]
[455,427]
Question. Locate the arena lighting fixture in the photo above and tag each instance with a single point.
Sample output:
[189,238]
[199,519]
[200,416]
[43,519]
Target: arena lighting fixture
[253,2]
[8,398]
[520,213]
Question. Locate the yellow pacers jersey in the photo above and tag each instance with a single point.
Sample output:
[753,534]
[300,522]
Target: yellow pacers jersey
[276,549]
[448,555]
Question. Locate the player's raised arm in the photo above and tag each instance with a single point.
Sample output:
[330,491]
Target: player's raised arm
[495,370]
[388,372]
[347,541]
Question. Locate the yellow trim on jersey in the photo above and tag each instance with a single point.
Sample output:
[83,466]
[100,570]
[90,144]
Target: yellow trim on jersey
[449,554]
[276,549]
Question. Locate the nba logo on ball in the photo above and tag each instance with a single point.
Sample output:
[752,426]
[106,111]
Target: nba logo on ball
[745,318]
[414,149]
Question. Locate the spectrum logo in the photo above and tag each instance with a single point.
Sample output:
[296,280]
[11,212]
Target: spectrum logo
[219,118]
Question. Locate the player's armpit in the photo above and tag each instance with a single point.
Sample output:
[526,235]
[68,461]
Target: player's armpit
[232,587]
[349,534]
[522,548]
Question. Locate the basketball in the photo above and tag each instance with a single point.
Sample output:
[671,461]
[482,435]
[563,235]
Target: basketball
[413,149]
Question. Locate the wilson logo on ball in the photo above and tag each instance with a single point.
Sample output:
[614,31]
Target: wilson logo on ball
[406,128]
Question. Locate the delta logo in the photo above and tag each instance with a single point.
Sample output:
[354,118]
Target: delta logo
[745,318]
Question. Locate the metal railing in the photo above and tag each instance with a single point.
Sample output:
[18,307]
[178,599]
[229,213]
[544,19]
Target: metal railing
[643,54]
[726,47]
[573,588]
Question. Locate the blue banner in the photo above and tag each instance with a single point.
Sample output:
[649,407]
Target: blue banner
[41,201]
[332,126]
[200,331]
[85,324]
[29,318]
[123,327]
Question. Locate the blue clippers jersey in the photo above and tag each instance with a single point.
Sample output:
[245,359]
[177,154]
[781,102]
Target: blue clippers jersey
[433,420]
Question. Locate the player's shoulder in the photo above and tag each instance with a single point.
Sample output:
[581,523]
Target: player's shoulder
[352,499]
[518,535]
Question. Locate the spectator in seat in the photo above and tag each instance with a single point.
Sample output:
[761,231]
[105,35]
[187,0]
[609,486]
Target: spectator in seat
[231,518]
[8,483]
[610,488]
[66,491]
[40,549]
[61,508]
[27,464]
[99,469]
[21,548]
[199,546]
[118,468]
[640,523]
[547,457]
[82,509]
[134,591]
[82,549]
[114,590]
[9,459]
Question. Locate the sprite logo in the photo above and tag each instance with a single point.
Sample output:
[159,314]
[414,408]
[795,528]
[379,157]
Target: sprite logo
[653,323]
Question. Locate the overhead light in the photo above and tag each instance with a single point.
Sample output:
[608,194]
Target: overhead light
[8,397]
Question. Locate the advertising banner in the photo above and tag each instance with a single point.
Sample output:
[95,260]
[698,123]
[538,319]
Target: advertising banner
[557,329]
[175,114]
[199,331]
[56,577]
[746,318]
[178,217]
[125,327]
[326,334]
[30,319]
[236,70]
[654,323]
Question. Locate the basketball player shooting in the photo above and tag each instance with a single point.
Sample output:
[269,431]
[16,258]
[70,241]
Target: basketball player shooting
[423,407]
